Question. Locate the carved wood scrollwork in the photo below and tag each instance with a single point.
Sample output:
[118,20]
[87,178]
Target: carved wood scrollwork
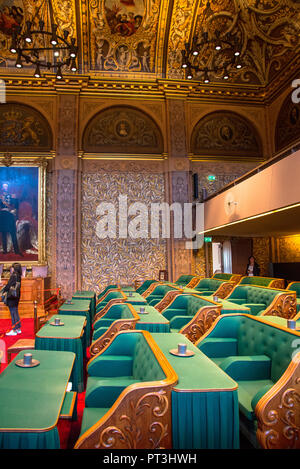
[201,322]
[278,283]
[106,338]
[235,278]
[278,411]
[142,420]
[224,289]
[167,300]
[104,310]
[193,283]
[284,305]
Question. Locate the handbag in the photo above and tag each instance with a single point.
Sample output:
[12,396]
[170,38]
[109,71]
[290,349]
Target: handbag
[4,297]
[14,291]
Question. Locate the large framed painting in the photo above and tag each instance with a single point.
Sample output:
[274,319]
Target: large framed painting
[22,214]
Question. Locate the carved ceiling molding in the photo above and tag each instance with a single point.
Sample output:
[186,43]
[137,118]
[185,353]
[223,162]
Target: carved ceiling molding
[267,30]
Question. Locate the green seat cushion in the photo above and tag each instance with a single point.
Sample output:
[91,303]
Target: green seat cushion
[91,415]
[103,322]
[103,392]
[219,346]
[255,367]
[247,390]
[111,365]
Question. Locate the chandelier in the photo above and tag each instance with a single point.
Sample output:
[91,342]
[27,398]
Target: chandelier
[212,51]
[43,47]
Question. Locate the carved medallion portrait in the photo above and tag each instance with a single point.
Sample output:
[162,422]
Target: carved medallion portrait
[122,129]
[225,134]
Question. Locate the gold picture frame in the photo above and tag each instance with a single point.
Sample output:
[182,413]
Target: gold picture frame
[16,166]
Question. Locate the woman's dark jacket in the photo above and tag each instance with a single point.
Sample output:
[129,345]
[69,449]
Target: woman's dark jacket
[256,270]
[13,279]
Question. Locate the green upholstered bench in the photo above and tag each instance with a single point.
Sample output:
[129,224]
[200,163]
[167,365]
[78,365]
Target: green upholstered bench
[159,293]
[263,281]
[229,277]
[214,286]
[257,354]
[128,396]
[191,315]
[145,285]
[184,280]
[106,289]
[119,317]
[295,286]
[265,301]
[112,297]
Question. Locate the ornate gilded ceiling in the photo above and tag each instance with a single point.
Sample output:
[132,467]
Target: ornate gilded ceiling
[141,39]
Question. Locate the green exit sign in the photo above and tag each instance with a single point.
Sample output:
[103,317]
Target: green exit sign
[208,239]
[211,177]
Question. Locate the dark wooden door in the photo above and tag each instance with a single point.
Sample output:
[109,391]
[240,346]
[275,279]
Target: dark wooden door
[241,250]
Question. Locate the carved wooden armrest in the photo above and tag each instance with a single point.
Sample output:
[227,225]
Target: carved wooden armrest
[114,328]
[235,278]
[141,416]
[193,283]
[113,301]
[150,289]
[278,411]
[201,322]
[224,290]
[277,283]
[167,300]
[284,305]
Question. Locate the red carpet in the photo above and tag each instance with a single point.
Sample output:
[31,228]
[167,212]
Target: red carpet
[68,431]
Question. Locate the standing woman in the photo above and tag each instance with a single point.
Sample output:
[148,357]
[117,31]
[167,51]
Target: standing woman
[252,267]
[13,288]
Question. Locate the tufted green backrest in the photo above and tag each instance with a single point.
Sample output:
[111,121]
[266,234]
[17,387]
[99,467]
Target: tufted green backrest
[257,338]
[194,304]
[261,281]
[223,276]
[115,311]
[126,313]
[145,365]
[261,295]
[295,286]
[159,291]
[208,284]
[184,279]
[145,286]
[109,287]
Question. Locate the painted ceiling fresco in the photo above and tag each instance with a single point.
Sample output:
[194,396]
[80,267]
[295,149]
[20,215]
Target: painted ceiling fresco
[144,38]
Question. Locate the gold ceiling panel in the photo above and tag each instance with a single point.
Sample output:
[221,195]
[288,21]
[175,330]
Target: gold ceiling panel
[17,12]
[143,39]
[268,31]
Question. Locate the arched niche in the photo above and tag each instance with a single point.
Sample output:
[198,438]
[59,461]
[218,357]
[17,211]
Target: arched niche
[288,124]
[122,129]
[23,128]
[225,134]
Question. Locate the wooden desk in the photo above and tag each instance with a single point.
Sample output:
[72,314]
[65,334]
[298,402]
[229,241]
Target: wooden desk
[32,289]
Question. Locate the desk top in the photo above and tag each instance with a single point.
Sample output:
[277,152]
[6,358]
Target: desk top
[72,329]
[135,298]
[32,398]
[84,294]
[229,307]
[196,373]
[76,305]
[153,317]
